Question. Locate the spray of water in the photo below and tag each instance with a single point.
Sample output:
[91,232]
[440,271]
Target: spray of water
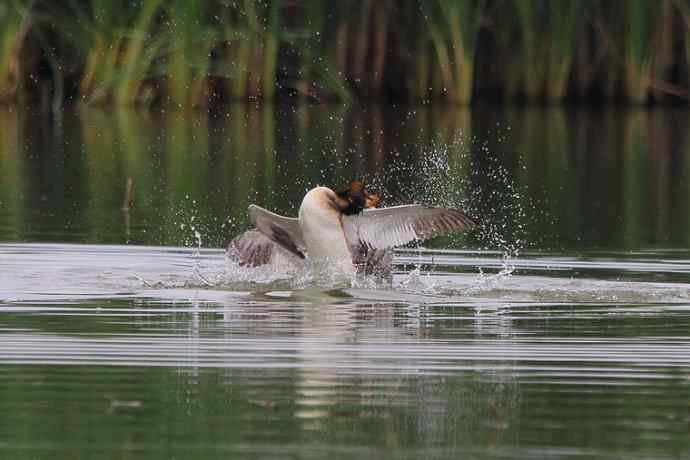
[463,173]
[466,174]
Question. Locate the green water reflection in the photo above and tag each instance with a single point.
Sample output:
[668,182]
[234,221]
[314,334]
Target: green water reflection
[166,413]
[585,179]
[315,401]
[309,380]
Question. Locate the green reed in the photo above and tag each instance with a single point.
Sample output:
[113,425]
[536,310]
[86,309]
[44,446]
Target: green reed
[102,37]
[642,46]
[237,24]
[193,53]
[638,50]
[191,38]
[547,34]
[360,44]
[416,50]
[453,26]
[565,23]
[270,45]
[137,60]
[532,25]
[115,42]
[319,39]
[508,59]
[683,9]
[252,34]
[14,26]
[610,28]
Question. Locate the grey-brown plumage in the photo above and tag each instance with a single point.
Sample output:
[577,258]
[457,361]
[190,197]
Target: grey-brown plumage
[251,249]
[383,228]
[284,231]
[370,235]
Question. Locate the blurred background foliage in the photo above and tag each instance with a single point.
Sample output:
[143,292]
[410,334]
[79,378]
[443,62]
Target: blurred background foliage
[193,53]
[559,179]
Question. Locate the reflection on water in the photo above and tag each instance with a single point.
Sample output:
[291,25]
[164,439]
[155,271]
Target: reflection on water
[575,346]
[584,179]
[575,361]
[96,362]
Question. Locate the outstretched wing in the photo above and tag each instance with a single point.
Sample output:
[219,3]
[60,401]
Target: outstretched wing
[389,227]
[284,231]
[251,248]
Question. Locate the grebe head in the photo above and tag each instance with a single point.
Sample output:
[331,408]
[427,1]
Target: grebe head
[354,198]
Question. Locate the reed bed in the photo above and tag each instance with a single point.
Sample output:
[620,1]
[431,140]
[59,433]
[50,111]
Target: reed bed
[193,53]
[638,45]
[104,45]
[14,26]
[187,57]
[453,26]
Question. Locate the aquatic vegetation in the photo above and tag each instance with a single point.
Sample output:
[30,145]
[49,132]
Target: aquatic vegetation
[453,27]
[116,44]
[533,51]
[318,43]
[237,26]
[546,35]
[252,35]
[193,53]
[138,58]
[14,27]
[638,49]
[565,24]
[190,39]
[683,8]
[270,49]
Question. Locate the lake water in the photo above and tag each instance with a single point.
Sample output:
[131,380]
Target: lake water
[561,329]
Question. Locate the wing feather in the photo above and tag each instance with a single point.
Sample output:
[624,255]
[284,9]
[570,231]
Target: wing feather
[284,231]
[251,248]
[383,228]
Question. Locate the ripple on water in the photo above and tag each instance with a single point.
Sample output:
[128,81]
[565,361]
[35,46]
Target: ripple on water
[61,273]
[522,356]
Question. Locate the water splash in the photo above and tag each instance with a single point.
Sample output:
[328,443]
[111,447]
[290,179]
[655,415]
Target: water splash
[420,279]
[487,282]
[464,173]
[197,258]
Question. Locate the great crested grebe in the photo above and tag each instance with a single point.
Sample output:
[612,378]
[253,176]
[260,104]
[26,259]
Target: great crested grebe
[342,231]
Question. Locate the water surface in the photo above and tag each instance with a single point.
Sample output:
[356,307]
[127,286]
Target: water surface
[559,330]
